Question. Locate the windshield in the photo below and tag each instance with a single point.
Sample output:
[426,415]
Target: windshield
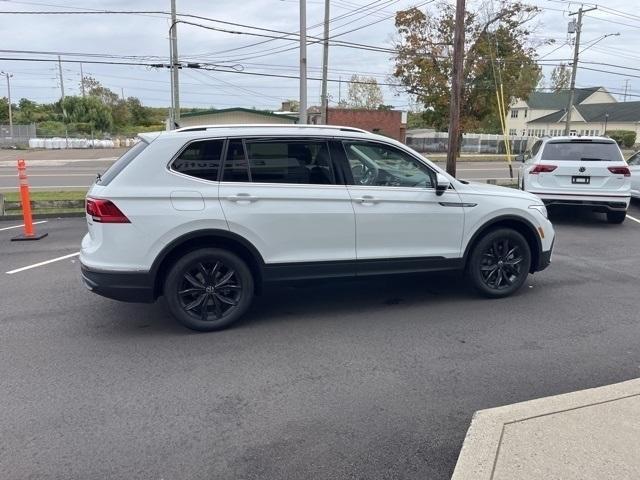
[582,150]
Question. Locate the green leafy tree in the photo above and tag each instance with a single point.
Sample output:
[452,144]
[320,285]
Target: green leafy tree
[494,42]
[140,115]
[4,110]
[87,110]
[364,92]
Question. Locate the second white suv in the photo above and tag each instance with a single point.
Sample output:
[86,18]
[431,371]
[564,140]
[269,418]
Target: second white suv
[585,172]
[206,215]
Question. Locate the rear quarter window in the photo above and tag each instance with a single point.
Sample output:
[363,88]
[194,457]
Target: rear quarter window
[120,164]
[585,150]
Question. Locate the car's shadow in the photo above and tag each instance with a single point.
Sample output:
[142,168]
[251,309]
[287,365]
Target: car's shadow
[562,215]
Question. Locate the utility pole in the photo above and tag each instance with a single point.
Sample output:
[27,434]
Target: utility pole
[122,92]
[61,78]
[574,70]
[81,80]
[325,65]
[456,89]
[626,88]
[173,33]
[303,62]
[8,75]
[339,91]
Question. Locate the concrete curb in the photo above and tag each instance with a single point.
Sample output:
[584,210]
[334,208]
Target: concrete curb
[479,454]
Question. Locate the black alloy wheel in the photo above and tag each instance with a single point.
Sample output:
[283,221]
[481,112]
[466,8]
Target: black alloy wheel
[209,289]
[500,263]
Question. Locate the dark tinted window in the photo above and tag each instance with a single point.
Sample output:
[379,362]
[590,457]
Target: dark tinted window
[634,159]
[122,162]
[200,159]
[377,164]
[291,161]
[536,147]
[582,150]
[236,168]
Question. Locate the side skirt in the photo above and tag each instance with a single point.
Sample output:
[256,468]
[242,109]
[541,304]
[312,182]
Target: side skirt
[282,272]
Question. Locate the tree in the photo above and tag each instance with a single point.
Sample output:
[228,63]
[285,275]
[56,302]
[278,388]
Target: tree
[87,110]
[364,92]
[497,48]
[4,110]
[560,77]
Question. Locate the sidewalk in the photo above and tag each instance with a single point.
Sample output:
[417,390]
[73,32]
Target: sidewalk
[588,435]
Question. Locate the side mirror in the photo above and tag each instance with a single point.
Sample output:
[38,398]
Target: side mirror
[520,157]
[442,184]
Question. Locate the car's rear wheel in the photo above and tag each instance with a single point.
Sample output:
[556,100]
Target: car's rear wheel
[499,263]
[616,217]
[208,289]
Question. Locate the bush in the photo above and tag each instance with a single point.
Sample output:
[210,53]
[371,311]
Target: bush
[624,138]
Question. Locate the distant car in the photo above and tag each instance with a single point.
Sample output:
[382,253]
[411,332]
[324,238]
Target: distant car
[634,167]
[585,172]
[206,215]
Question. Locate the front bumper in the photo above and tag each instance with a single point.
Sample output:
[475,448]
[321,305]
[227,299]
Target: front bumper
[123,286]
[545,259]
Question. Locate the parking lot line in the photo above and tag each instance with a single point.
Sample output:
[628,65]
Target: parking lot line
[40,264]
[20,226]
[633,218]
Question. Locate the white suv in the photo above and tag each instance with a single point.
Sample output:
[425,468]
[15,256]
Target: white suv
[587,172]
[206,215]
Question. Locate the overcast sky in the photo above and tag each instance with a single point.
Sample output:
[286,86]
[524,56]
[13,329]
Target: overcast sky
[147,36]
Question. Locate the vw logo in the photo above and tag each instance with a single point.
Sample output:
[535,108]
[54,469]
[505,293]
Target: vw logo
[581,169]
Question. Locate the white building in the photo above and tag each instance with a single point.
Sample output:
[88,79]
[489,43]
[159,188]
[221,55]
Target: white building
[595,111]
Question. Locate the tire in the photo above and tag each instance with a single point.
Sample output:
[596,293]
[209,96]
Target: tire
[499,263]
[208,289]
[616,217]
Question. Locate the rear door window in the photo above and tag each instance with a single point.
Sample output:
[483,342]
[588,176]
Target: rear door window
[585,150]
[294,161]
[200,159]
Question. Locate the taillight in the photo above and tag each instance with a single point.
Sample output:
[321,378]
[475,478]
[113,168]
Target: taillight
[104,211]
[542,169]
[620,171]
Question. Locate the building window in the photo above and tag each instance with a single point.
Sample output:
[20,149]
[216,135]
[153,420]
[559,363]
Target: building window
[514,113]
[525,113]
[513,131]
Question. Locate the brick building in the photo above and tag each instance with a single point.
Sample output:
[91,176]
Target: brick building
[392,123]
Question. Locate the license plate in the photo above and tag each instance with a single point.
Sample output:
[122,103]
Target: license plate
[581,180]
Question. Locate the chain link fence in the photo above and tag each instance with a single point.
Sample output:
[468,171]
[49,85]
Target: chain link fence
[16,135]
[437,142]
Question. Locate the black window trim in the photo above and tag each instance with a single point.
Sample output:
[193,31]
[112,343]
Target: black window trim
[349,175]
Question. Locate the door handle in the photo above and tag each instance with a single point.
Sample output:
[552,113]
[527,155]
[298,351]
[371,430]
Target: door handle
[242,197]
[366,199]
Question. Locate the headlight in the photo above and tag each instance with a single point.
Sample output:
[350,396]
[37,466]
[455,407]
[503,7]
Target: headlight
[541,208]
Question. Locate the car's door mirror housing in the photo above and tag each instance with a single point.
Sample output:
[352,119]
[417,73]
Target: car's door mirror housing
[520,157]
[442,184]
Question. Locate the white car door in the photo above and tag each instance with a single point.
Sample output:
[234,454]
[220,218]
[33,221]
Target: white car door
[281,195]
[398,213]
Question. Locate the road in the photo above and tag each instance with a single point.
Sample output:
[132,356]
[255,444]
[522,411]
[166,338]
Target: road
[374,378]
[78,174]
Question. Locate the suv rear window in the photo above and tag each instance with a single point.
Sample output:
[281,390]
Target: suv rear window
[585,150]
[119,165]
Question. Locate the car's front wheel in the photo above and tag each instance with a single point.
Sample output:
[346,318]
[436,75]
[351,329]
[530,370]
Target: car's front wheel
[499,263]
[208,289]
[616,217]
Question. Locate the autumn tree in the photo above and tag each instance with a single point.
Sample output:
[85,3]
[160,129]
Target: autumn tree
[560,77]
[364,92]
[497,49]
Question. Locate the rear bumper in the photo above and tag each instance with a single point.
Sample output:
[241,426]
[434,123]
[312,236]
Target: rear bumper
[123,286]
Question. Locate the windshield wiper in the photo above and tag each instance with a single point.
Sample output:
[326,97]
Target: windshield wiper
[588,159]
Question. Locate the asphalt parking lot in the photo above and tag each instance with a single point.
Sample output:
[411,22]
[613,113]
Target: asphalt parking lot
[372,378]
